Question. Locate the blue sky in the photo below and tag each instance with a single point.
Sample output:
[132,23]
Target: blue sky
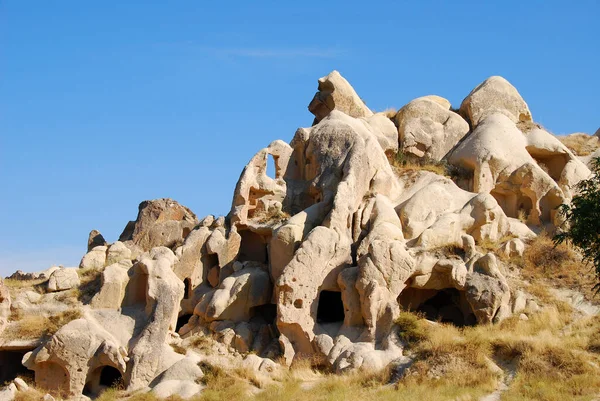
[105,104]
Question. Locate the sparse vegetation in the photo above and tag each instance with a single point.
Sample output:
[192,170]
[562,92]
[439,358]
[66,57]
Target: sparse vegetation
[527,126]
[582,219]
[403,161]
[32,326]
[557,265]
[270,217]
[581,144]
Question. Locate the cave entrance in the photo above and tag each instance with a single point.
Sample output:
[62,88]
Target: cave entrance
[330,308]
[253,247]
[266,313]
[182,321]
[11,366]
[447,305]
[101,379]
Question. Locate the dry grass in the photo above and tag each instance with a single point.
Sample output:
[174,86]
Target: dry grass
[581,144]
[403,162]
[270,217]
[558,266]
[30,395]
[36,326]
[527,126]
[390,113]
[91,281]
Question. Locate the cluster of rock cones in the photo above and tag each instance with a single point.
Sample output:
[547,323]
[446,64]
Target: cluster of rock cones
[316,261]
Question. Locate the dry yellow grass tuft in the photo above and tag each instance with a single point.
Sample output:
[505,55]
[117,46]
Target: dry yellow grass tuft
[34,326]
[581,144]
[558,266]
[403,162]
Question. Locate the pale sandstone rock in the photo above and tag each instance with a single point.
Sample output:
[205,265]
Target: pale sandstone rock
[335,93]
[428,129]
[94,259]
[117,252]
[160,222]
[20,384]
[507,164]
[236,295]
[494,95]
[113,286]
[513,248]
[63,279]
[254,183]
[184,389]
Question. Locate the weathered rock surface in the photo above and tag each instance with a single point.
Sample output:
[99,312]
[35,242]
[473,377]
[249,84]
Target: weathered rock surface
[160,222]
[335,93]
[427,128]
[63,279]
[494,95]
[316,261]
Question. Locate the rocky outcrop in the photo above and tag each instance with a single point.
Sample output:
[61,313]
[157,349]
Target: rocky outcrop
[63,279]
[528,174]
[319,259]
[427,128]
[494,95]
[95,239]
[160,222]
[335,93]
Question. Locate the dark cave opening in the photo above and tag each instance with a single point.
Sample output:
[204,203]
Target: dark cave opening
[253,247]
[110,377]
[330,308]
[188,288]
[182,321]
[447,305]
[100,379]
[11,366]
[267,313]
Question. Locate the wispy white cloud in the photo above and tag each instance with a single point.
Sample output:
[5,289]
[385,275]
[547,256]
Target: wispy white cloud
[39,259]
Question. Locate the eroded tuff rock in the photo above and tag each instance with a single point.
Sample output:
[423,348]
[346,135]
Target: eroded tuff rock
[335,93]
[160,222]
[494,95]
[427,128]
[528,173]
[319,259]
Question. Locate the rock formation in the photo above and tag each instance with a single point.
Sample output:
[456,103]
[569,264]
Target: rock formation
[318,260]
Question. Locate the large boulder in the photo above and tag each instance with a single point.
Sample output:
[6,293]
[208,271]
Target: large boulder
[63,279]
[160,222]
[335,93]
[94,259]
[427,128]
[494,95]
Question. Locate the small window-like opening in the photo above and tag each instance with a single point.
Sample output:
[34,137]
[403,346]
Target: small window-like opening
[271,169]
[253,247]
[267,313]
[182,321]
[330,308]
[188,288]
[110,377]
